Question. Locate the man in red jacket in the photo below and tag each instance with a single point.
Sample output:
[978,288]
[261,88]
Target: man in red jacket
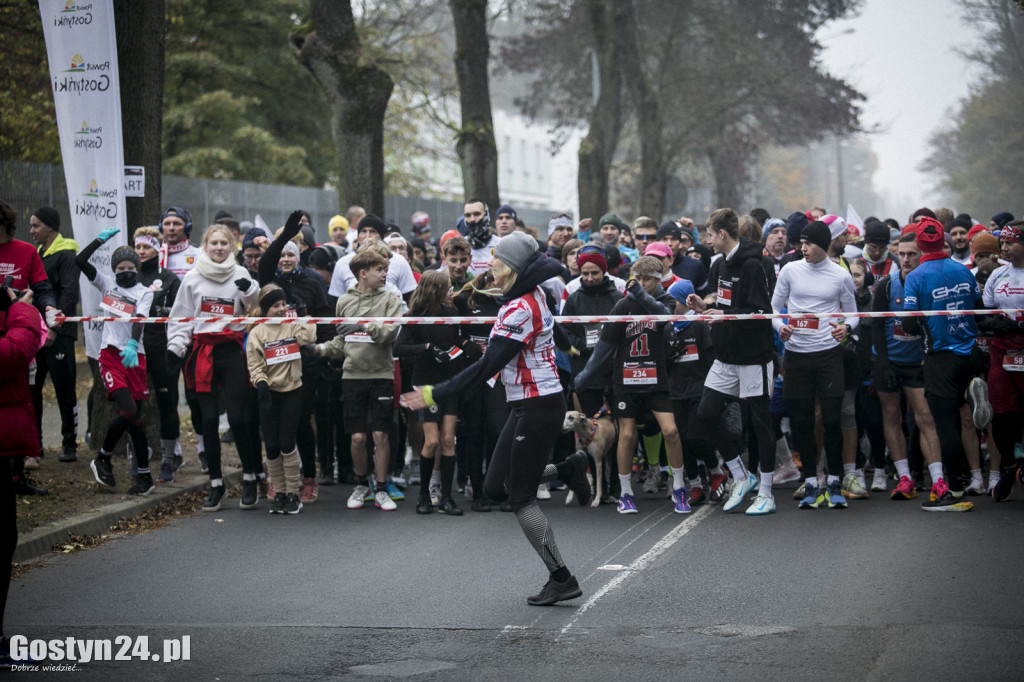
[22,334]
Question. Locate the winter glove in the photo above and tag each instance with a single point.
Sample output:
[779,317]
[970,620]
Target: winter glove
[308,352]
[291,226]
[1001,324]
[51,318]
[130,354]
[634,288]
[440,354]
[243,284]
[106,234]
[264,396]
[346,329]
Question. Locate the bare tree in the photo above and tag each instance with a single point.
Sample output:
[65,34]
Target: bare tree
[357,92]
[475,145]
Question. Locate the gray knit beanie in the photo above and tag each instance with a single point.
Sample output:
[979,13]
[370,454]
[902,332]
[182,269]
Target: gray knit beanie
[514,248]
[124,253]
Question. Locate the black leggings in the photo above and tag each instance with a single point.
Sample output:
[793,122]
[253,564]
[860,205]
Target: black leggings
[518,467]
[280,422]
[230,377]
[832,434]
[129,418]
[166,384]
[696,446]
[728,432]
[58,361]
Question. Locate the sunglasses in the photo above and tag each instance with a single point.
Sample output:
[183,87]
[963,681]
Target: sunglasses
[644,237]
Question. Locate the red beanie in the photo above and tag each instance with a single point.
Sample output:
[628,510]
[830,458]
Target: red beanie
[931,236]
[592,255]
[975,231]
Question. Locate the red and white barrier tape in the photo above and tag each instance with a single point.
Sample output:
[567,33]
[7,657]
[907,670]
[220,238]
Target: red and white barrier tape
[589,319]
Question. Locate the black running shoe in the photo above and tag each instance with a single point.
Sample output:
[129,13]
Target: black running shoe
[448,506]
[69,454]
[143,485]
[423,506]
[292,504]
[555,591]
[505,506]
[481,505]
[277,506]
[212,503]
[103,471]
[250,495]
[578,481]
[1001,491]
[23,485]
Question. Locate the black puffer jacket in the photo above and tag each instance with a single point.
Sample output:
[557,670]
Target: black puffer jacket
[596,300]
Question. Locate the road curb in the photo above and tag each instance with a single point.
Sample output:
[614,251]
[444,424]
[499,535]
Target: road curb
[40,542]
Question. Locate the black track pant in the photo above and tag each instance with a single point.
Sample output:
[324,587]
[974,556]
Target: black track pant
[166,384]
[803,434]
[58,360]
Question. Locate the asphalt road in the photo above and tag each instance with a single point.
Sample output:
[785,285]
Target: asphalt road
[880,590]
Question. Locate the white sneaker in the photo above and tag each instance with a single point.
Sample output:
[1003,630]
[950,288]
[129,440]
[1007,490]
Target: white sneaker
[738,491]
[651,481]
[787,473]
[861,479]
[413,474]
[355,500]
[993,480]
[762,505]
[542,492]
[435,494]
[878,482]
[383,501]
[976,488]
[31,463]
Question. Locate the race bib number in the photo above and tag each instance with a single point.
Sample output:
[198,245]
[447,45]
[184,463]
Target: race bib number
[1013,361]
[724,292]
[454,352]
[282,350]
[116,304]
[900,334]
[639,373]
[217,307]
[804,324]
[592,337]
[984,344]
[689,353]
[480,341]
[358,337]
[291,312]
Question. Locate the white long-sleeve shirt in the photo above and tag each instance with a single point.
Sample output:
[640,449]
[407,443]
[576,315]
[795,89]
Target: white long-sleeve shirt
[803,288]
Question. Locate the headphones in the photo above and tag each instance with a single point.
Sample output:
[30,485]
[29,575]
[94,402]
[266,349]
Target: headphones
[181,213]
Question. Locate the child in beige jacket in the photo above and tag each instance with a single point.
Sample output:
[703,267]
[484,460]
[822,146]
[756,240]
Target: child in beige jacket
[275,369]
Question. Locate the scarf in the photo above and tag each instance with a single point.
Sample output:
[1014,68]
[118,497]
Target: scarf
[218,272]
[288,276]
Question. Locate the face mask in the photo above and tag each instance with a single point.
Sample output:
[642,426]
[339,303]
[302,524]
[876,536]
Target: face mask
[126,279]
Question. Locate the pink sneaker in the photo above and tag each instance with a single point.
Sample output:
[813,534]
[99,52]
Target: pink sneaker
[904,489]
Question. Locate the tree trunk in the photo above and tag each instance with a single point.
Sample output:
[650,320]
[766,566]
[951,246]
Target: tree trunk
[478,153]
[649,117]
[729,176]
[597,149]
[140,60]
[357,93]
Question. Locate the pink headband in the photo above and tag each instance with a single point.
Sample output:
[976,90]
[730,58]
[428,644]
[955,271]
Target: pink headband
[148,241]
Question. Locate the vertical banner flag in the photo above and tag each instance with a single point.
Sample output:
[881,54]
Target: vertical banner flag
[81,47]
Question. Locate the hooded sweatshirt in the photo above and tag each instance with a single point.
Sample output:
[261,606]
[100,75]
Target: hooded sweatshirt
[368,352]
[59,264]
[743,288]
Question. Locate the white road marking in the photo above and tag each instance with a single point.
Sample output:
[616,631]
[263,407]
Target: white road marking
[642,562]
